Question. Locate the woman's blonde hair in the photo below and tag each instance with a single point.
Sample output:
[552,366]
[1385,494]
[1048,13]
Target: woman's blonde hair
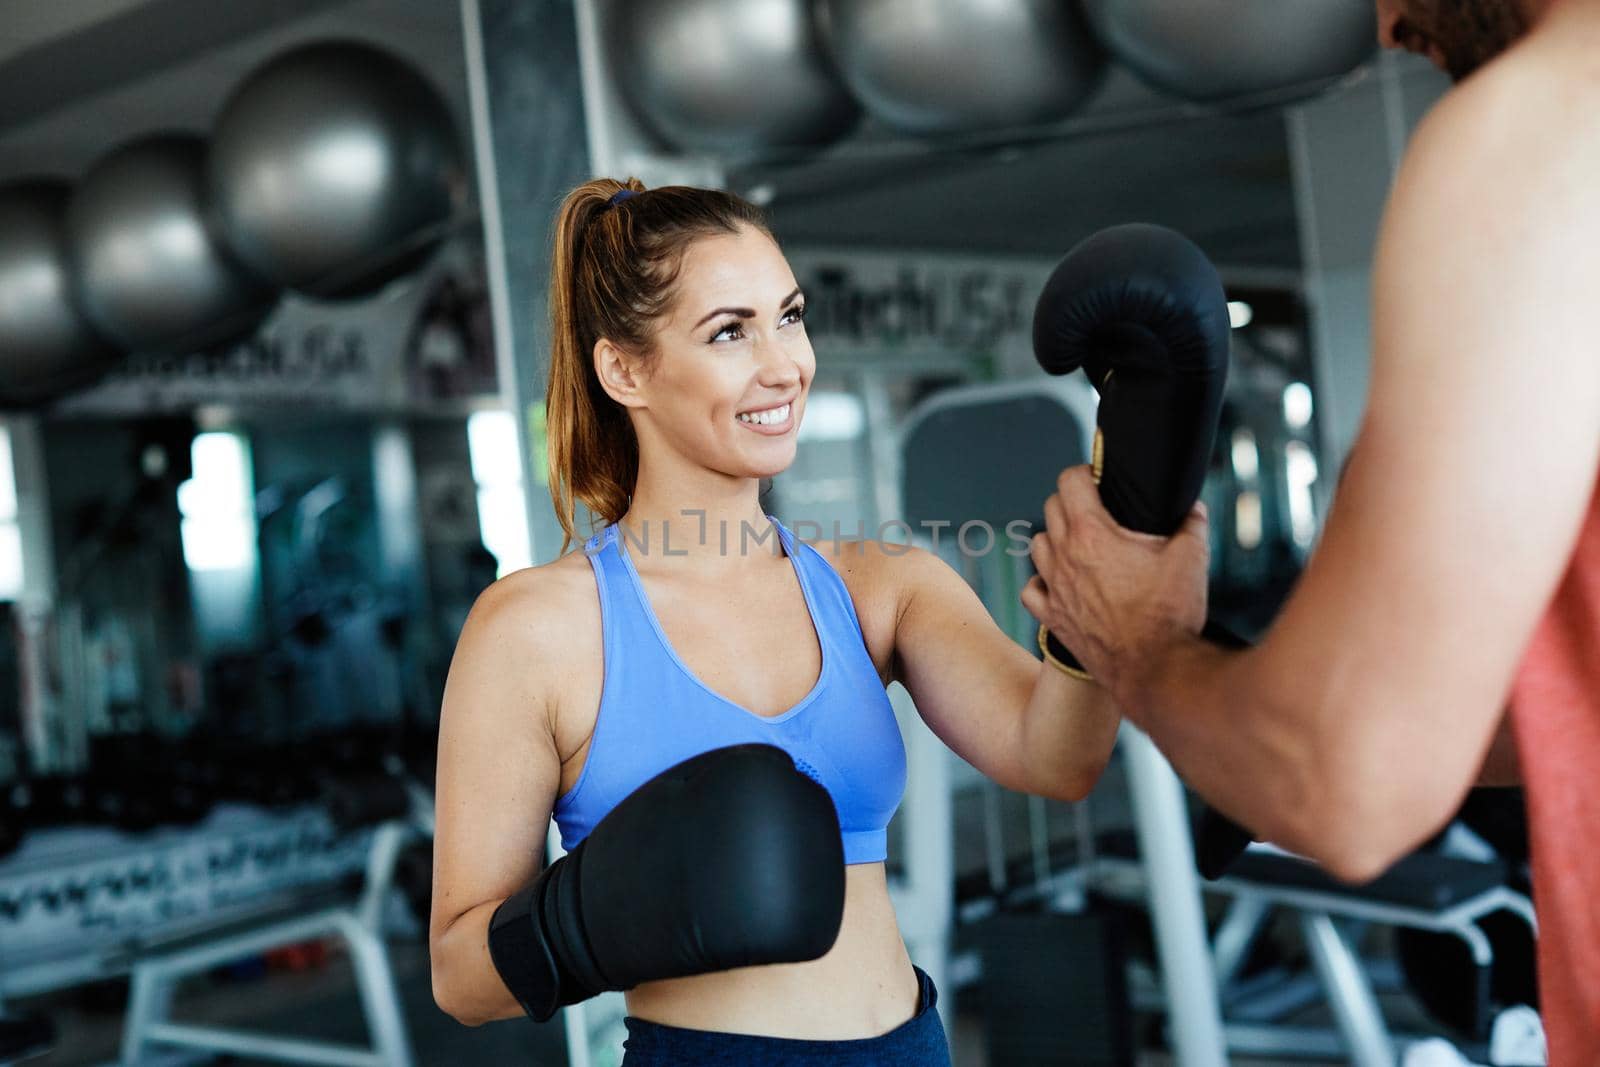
[615,263]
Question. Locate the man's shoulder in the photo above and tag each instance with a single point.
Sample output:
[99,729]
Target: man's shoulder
[1541,88]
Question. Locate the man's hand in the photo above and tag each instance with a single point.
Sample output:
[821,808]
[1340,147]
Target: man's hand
[1116,598]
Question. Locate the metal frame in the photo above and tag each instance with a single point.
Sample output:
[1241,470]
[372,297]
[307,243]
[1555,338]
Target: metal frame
[1160,814]
[1343,977]
[155,978]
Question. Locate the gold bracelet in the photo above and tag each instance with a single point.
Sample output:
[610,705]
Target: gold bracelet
[1066,668]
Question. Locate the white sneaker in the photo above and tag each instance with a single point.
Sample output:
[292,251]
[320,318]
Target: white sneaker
[1517,1039]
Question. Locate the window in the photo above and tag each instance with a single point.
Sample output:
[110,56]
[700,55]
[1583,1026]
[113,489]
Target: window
[10,532]
[218,505]
[502,505]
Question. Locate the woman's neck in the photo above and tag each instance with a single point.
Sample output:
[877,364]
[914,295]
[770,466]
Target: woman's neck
[706,531]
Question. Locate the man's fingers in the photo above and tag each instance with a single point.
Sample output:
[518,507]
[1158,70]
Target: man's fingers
[1077,489]
[1034,598]
[1055,516]
[1197,524]
[1042,552]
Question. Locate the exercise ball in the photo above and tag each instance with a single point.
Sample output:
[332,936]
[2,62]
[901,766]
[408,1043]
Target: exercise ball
[942,66]
[1214,49]
[729,76]
[151,271]
[335,168]
[47,345]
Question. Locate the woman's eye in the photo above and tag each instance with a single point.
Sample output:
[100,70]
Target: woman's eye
[732,331]
[795,314]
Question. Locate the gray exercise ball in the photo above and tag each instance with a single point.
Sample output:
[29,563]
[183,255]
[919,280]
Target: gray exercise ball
[150,269]
[1210,50]
[47,345]
[729,76]
[943,66]
[336,168]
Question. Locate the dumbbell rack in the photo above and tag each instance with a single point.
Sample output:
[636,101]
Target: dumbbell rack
[83,904]
[359,924]
[78,904]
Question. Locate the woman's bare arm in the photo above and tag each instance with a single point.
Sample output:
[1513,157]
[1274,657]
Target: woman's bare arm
[497,779]
[1021,723]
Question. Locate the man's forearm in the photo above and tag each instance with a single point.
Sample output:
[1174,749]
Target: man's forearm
[1068,729]
[1266,776]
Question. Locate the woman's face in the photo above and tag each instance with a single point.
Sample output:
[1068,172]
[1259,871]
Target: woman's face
[728,382]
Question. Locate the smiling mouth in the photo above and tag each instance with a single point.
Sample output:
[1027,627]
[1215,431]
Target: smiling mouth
[778,416]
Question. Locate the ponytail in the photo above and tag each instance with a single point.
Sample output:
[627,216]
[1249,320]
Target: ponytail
[612,272]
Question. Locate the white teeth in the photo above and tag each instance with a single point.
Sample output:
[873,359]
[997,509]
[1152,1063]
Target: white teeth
[774,417]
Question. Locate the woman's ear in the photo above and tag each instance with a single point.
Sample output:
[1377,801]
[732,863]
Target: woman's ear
[620,374]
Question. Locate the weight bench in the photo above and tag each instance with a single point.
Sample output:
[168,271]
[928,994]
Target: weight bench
[1424,891]
[359,923]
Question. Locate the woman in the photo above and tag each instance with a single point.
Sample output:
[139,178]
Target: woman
[679,374]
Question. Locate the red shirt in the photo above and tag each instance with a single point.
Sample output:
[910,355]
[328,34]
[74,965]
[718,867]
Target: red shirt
[1555,707]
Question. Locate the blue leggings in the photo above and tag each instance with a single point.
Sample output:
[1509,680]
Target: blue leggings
[919,1042]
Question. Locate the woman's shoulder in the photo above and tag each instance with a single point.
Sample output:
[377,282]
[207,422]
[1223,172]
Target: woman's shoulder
[880,576]
[868,566]
[537,608]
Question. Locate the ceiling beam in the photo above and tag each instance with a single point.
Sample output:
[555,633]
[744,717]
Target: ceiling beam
[130,44]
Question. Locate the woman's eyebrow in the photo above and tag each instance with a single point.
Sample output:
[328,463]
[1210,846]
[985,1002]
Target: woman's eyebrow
[745,313]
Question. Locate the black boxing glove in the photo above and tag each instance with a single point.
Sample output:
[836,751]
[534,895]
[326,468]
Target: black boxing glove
[730,859]
[1143,312]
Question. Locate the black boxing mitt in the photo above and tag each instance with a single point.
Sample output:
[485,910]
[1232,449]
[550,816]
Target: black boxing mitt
[1142,310]
[730,859]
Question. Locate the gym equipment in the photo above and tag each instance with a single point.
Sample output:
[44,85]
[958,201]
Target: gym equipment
[151,271]
[414,875]
[1211,50]
[957,65]
[1425,892]
[1054,982]
[47,345]
[953,446]
[139,781]
[733,76]
[75,901]
[156,975]
[1444,972]
[23,1037]
[366,801]
[335,168]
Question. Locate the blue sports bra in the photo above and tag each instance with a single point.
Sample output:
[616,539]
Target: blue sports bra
[654,712]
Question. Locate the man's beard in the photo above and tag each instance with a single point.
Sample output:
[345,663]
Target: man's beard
[1469,33]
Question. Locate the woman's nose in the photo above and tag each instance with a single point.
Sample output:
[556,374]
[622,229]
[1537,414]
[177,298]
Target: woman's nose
[777,361]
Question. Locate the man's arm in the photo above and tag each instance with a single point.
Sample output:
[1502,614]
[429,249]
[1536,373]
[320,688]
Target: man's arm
[1354,730]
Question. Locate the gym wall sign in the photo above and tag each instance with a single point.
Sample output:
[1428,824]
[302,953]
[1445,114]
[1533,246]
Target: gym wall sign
[423,345]
[917,309]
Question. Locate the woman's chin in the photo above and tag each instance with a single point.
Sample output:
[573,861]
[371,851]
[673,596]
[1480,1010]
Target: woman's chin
[763,466]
